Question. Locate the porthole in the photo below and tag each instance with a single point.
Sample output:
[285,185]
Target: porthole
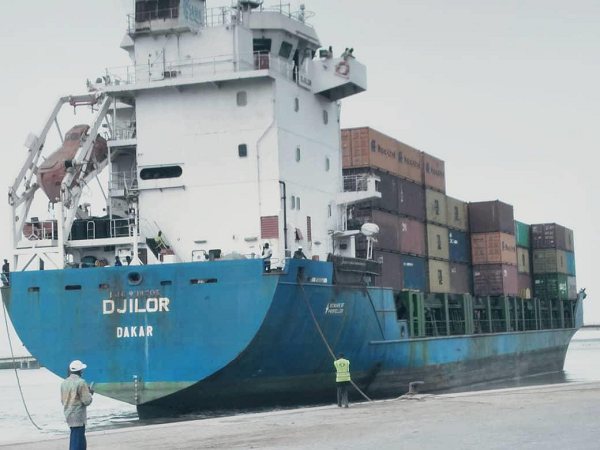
[134,278]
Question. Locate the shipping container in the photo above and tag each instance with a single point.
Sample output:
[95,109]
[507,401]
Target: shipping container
[524,286]
[458,214]
[411,199]
[434,172]
[493,248]
[523,260]
[409,163]
[391,271]
[437,242]
[495,280]
[371,148]
[569,240]
[492,216]
[461,276]
[413,273]
[549,260]
[388,237]
[411,236]
[549,235]
[571,270]
[550,286]
[571,288]
[439,276]
[435,207]
[522,232]
[346,149]
[458,243]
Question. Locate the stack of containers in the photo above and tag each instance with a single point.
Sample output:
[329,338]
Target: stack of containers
[553,262]
[436,216]
[523,241]
[493,249]
[461,274]
[399,213]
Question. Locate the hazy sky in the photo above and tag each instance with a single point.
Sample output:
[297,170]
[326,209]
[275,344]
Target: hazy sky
[506,92]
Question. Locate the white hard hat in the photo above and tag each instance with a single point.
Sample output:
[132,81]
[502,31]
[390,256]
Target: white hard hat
[299,247]
[76,366]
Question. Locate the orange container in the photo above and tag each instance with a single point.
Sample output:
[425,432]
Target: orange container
[371,148]
[434,172]
[493,248]
[409,162]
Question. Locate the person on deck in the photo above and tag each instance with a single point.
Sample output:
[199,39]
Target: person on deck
[299,254]
[118,262]
[160,242]
[6,273]
[267,253]
[128,260]
[342,379]
[76,396]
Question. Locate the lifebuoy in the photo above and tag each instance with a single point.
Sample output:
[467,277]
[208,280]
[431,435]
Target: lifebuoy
[342,68]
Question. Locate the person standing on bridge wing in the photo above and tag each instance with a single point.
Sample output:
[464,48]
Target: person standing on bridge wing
[76,396]
[342,378]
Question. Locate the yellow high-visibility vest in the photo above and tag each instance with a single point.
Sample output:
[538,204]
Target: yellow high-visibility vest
[342,367]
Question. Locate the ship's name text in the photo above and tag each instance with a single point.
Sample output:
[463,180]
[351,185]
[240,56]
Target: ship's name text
[135,305]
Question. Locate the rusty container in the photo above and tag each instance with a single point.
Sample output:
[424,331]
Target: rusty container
[437,242]
[493,248]
[433,172]
[391,271]
[457,214]
[435,207]
[524,286]
[549,260]
[551,235]
[492,216]
[411,236]
[370,148]
[523,260]
[411,199]
[495,280]
[346,149]
[439,276]
[461,276]
[409,162]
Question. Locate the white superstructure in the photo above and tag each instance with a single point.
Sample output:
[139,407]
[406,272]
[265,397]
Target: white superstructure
[223,134]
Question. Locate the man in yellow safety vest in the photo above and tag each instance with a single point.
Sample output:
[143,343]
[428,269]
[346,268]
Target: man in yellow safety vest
[342,378]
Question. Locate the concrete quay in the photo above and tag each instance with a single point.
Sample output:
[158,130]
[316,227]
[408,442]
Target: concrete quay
[560,417]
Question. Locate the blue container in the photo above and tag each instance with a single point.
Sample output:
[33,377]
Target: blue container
[413,273]
[459,246]
[571,263]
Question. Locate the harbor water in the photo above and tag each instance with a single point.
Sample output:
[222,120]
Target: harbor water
[42,394]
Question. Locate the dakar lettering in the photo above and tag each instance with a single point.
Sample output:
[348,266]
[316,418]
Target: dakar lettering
[140,331]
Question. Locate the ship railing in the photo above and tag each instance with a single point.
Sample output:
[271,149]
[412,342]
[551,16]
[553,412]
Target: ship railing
[194,67]
[123,181]
[286,10]
[40,230]
[120,228]
[356,183]
[156,19]
[124,132]
[531,324]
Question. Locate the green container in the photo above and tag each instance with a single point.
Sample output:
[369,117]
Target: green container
[551,286]
[522,233]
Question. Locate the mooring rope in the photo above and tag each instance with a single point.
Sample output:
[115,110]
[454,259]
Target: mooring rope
[325,339]
[12,354]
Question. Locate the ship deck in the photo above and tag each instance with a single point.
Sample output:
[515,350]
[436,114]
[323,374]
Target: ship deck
[548,417]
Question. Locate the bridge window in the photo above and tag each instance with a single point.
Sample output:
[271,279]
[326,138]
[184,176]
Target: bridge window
[325,117]
[298,154]
[157,173]
[262,45]
[293,202]
[296,104]
[242,150]
[285,50]
[327,164]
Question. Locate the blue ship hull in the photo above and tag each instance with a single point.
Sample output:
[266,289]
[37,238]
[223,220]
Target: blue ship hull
[223,334]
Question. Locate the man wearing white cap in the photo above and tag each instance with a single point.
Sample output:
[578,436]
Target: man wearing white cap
[76,396]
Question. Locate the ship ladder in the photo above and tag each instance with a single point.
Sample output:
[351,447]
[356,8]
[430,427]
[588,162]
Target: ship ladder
[312,314]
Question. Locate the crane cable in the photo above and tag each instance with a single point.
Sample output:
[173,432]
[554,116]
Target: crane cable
[15,368]
[323,336]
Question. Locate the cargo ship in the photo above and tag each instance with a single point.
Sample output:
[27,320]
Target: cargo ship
[224,136]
